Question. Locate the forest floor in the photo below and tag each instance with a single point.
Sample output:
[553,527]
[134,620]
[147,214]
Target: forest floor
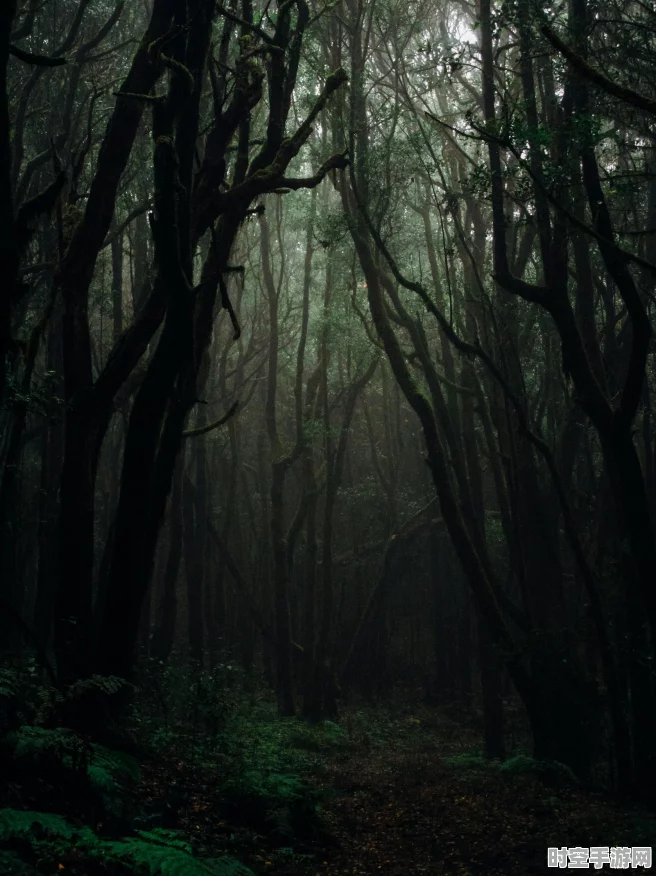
[216,784]
[398,793]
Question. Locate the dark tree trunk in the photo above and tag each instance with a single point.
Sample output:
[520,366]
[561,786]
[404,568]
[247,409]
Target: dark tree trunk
[442,631]
[193,507]
[87,416]
[51,460]
[163,635]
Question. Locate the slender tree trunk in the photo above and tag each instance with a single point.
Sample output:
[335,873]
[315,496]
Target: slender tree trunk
[279,467]
[310,578]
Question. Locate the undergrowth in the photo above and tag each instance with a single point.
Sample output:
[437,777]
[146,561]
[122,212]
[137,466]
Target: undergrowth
[518,767]
[51,843]
[71,803]
[102,777]
[220,777]
[263,758]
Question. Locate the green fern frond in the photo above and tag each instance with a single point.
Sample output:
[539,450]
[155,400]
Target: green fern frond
[109,768]
[19,824]
[282,803]
[39,742]
[227,866]
[125,767]
[109,773]
[108,685]
[520,764]
[165,860]
[157,860]
[282,788]
[9,684]
[156,852]
[551,770]
[168,838]
[280,823]
[513,768]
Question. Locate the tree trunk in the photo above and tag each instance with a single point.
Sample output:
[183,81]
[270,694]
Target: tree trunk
[163,635]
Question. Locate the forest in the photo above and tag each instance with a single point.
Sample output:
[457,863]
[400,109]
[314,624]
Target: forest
[327,437]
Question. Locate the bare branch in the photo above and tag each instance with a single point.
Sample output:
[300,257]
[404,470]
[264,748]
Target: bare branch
[203,430]
[627,95]
[36,60]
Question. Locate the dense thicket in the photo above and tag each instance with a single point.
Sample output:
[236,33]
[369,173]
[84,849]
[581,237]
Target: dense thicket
[325,340]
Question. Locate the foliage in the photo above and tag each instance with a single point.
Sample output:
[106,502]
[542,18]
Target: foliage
[549,770]
[111,773]
[42,745]
[9,686]
[63,754]
[9,697]
[169,700]
[25,696]
[169,856]
[264,759]
[282,803]
[40,399]
[327,735]
[521,765]
[28,696]
[268,787]
[52,839]
[99,784]
[106,685]
[468,762]
[19,824]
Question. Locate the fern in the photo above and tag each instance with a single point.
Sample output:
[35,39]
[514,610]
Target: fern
[9,684]
[155,859]
[549,770]
[280,803]
[156,853]
[520,765]
[280,823]
[39,743]
[260,794]
[106,685]
[272,787]
[318,738]
[227,866]
[108,773]
[31,826]
[158,859]
[168,838]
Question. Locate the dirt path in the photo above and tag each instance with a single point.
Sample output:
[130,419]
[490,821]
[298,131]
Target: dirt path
[413,816]
[403,813]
